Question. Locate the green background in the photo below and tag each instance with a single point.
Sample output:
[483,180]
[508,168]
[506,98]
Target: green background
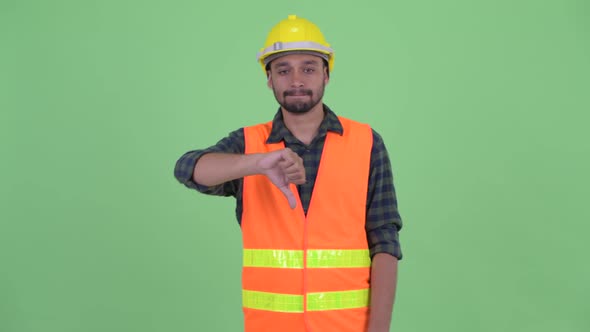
[482,104]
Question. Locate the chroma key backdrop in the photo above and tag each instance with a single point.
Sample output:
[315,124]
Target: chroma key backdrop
[483,106]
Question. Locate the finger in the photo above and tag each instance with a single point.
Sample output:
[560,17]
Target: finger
[284,164]
[289,155]
[295,177]
[298,180]
[295,168]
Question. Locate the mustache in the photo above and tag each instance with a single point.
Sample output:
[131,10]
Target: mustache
[295,92]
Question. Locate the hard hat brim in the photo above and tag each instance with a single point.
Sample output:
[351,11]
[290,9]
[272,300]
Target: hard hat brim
[280,47]
[277,55]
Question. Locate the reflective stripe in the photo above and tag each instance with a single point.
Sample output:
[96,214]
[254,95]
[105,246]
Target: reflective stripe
[338,300]
[272,301]
[315,301]
[300,45]
[293,259]
[338,258]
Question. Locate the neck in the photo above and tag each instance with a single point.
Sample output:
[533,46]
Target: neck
[305,126]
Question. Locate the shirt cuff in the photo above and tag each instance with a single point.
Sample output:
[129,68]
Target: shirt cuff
[185,167]
[385,240]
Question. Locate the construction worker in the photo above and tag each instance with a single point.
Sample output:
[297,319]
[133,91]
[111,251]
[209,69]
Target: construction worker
[315,200]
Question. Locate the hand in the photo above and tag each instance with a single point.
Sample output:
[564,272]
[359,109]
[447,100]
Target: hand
[283,167]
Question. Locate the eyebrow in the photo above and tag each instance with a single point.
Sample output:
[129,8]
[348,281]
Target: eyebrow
[310,62]
[306,62]
[280,64]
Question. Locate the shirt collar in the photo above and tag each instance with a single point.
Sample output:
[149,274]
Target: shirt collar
[280,132]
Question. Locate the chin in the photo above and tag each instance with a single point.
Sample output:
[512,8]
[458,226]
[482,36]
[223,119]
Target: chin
[297,110]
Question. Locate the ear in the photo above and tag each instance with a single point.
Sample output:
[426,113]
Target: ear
[268,79]
[326,76]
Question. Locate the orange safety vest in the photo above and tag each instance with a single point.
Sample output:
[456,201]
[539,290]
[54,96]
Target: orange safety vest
[308,273]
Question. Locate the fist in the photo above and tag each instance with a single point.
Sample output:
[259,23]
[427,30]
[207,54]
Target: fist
[283,167]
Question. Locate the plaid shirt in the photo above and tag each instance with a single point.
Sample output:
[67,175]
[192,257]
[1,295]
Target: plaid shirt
[382,221]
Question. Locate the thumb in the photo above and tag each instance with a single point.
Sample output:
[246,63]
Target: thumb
[286,190]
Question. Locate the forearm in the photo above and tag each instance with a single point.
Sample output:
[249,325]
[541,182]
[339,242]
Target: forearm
[216,168]
[383,284]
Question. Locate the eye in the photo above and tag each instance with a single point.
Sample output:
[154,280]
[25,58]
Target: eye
[308,70]
[283,72]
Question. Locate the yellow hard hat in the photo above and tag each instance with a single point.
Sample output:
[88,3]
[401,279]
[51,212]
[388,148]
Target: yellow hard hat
[292,35]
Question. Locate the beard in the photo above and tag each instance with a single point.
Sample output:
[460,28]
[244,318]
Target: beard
[302,105]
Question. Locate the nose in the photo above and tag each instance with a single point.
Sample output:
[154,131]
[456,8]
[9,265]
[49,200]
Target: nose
[297,79]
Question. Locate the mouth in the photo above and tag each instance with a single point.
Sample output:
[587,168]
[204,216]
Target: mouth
[298,93]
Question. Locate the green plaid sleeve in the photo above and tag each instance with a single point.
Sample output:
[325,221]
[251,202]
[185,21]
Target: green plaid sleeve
[183,171]
[383,218]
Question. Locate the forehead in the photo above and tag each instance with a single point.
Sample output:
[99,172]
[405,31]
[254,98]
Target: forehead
[296,59]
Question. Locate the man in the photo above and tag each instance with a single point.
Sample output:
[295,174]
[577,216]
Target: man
[315,200]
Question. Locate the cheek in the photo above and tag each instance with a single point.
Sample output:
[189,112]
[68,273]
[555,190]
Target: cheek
[277,85]
[275,90]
